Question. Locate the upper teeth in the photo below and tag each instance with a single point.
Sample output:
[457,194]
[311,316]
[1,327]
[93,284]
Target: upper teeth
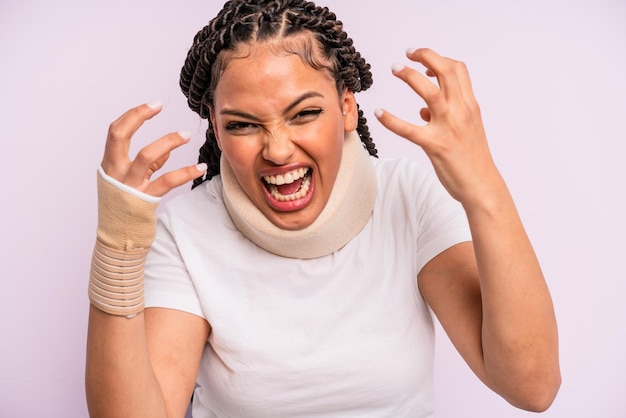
[286,178]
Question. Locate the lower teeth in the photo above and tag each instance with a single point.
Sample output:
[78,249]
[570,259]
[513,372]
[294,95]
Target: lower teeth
[304,189]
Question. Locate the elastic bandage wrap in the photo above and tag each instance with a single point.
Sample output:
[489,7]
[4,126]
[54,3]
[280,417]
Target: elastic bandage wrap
[126,230]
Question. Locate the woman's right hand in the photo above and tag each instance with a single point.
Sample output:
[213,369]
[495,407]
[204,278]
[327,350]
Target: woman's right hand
[137,173]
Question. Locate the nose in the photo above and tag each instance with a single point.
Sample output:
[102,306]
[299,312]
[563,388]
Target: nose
[278,147]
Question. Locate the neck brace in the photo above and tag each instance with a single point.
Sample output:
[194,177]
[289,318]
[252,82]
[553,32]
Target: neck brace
[348,209]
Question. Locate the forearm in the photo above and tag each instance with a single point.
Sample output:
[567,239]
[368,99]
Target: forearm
[121,365]
[120,381]
[519,331]
[119,378]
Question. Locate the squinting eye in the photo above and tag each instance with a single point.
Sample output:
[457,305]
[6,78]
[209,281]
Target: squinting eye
[308,114]
[238,126]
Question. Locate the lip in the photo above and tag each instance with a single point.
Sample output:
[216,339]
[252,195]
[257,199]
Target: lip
[292,205]
[282,169]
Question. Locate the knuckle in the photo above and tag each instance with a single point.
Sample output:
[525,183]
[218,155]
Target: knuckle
[115,132]
[143,157]
[113,125]
[135,112]
[167,181]
[168,142]
[426,52]
[436,98]
[460,67]
[449,69]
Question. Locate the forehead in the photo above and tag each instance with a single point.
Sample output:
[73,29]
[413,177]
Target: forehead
[266,73]
[303,45]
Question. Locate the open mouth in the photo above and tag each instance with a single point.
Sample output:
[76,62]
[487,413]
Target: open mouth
[290,186]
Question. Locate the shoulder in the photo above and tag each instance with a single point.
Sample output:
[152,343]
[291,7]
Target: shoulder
[198,208]
[408,180]
[411,196]
[402,171]
[208,193]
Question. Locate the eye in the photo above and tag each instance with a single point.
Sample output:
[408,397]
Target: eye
[239,127]
[307,115]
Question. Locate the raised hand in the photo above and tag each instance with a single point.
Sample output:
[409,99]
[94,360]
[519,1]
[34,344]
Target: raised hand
[137,173]
[453,137]
[490,294]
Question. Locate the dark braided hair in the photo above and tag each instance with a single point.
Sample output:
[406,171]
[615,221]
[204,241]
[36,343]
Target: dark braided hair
[247,21]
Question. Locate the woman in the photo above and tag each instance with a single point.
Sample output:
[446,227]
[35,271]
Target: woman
[298,276]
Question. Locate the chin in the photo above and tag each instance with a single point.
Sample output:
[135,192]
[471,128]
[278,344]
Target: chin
[292,221]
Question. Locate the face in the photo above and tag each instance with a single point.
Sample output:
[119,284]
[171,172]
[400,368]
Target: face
[280,125]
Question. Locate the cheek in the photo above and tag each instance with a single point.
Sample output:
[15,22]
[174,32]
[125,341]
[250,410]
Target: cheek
[327,155]
[242,158]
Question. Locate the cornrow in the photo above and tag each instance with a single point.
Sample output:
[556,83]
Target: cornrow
[245,21]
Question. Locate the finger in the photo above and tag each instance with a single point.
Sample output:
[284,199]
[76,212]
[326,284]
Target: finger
[452,75]
[160,162]
[152,157]
[416,134]
[120,133]
[176,178]
[421,85]
[465,82]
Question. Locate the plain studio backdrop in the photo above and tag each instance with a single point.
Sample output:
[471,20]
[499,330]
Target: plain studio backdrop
[550,78]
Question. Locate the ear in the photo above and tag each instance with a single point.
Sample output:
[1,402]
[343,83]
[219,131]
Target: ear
[212,119]
[350,111]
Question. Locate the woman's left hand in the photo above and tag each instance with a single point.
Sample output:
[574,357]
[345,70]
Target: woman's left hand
[453,137]
[489,295]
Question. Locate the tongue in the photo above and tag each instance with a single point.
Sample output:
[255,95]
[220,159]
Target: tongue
[287,189]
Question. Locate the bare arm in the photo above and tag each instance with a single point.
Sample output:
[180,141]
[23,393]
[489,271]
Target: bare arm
[131,372]
[490,296]
[176,341]
[506,331]
[144,366]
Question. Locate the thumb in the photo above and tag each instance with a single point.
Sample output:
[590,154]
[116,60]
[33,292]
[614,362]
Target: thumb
[173,179]
[415,134]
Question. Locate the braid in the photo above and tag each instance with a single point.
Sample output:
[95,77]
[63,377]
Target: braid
[245,21]
[364,132]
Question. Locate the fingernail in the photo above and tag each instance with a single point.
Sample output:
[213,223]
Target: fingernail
[378,112]
[396,68]
[155,104]
[202,167]
[184,134]
[410,51]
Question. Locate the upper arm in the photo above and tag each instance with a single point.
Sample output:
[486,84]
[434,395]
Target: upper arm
[175,341]
[450,285]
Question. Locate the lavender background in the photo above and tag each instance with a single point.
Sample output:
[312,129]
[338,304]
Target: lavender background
[549,75]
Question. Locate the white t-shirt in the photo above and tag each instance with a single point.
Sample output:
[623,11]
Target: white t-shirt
[345,335]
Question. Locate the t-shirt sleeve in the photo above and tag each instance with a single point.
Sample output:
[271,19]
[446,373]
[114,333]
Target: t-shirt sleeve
[167,280]
[427,220]
[442,222]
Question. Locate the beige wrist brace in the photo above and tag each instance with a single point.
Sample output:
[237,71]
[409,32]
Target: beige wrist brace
[126,229]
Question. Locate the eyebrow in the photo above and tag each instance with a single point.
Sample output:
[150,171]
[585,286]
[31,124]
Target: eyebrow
[300,99]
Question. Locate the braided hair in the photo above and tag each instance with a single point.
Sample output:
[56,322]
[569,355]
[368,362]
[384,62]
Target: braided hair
[247,21]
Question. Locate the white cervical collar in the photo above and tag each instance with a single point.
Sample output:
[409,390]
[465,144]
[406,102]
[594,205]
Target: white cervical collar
[348,209]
